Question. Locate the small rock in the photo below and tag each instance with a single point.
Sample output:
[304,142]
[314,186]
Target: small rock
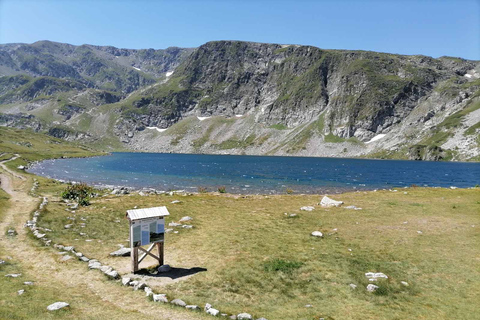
[244,316]
[28,283]
[168,230]
[126,281]
[353,286]
[148,291]
[79,254]
[84,259]
[112,274]
[404,283]
[160,298]
[68,226]
[105,269]
[164,268]
[139,286]
[187,218]
[123,252]
[308,306]
[13,275]
[213,312]
[207,306]
[94,264]
[20,292]
[292,215]
[175,201]
[307,208]
[187,226]
[317,234]
[174,224]
[69,248]
[178,302]
[57,306]
[192,307]
[372,287]
[419,232]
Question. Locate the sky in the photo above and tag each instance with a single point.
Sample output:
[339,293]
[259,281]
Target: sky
[434,28]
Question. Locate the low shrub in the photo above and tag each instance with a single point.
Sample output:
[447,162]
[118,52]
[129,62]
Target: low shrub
[79,192]
[222,189]
[202,189]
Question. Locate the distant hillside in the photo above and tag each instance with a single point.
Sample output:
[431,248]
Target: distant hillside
[246,98]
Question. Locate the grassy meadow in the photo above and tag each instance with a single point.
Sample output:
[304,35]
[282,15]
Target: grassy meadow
[36,146]
[261,261]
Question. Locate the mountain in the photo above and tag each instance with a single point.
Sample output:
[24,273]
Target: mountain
[246,98]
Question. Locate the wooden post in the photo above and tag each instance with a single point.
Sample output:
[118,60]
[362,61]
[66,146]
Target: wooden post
[160,253]
[134,254]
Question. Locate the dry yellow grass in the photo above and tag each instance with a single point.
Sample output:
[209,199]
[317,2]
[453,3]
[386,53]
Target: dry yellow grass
[234,237]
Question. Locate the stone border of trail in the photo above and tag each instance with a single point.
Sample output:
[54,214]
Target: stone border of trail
[112,274]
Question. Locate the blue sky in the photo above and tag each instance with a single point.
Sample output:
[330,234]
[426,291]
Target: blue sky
[433,28]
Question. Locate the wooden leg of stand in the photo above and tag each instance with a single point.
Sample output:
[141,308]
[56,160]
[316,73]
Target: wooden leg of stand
[134,254]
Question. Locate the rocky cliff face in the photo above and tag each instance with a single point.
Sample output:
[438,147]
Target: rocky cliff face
[241,97]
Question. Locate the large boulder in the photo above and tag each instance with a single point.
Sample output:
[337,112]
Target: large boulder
[327,202]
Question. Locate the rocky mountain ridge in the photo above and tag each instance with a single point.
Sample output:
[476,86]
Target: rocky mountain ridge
[246,98]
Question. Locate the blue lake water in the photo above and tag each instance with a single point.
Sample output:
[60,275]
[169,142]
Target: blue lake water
[257,174]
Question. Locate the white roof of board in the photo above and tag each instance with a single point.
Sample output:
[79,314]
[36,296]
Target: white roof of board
[137,214]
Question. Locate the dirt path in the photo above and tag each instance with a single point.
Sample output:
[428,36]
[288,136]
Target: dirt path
[47,268]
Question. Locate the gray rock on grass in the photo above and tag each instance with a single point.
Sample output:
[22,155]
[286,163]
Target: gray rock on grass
[57,306]
[122,252]
[178,302]
[212,311]
[126,281]
[148,291]
[307,208]
[372,288]
[317,234]
[94,264]
[160,298]
[244,316]
[187,218]
[326,202]
[174,224]
[139,286]
[192,307]
[112,274]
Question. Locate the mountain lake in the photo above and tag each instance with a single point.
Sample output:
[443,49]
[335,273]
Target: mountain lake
[257,174]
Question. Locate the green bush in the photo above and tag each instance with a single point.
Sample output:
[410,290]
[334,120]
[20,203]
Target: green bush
[222,189]
[79,192]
